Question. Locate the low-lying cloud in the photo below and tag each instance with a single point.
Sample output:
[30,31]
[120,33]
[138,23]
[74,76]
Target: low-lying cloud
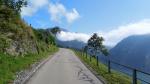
[69,36]
[111,37]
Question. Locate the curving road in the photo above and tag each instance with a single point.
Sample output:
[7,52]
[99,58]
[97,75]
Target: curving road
[63,68]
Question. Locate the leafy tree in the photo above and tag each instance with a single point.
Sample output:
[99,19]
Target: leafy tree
[14,4]
[55,30]
[85,48]
[95,45]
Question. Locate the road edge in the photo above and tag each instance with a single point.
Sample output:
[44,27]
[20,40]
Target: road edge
[92,70]
[26,79]
[33,70]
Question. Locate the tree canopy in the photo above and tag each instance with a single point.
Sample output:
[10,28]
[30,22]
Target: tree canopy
[55,30]
[14,4]
[95,45]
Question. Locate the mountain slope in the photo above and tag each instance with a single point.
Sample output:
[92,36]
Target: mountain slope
[17,37]
[133,51]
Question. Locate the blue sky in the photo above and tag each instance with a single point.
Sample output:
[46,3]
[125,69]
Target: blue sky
[95,14]
[87,16]
[107,14]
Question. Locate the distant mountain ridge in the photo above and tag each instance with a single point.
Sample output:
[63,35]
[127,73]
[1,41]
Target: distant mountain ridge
[133,51]
[71,44]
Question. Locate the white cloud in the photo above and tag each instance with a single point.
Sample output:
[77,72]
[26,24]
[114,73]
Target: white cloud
[28,11]
[58,11]
[72,16]
[111,37]
[69,36]
[114,36]
[33,7]
[39,3]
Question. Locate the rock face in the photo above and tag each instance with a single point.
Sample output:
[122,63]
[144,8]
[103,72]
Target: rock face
[20,48]
[16,37]
[19,38]
[18,41]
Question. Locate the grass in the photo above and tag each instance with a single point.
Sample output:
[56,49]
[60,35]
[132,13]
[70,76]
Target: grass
[111,78]
[9,65]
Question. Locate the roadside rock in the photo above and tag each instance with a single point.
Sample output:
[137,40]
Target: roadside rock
[21,48]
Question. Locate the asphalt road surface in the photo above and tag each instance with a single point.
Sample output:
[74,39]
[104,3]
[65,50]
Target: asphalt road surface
[63,68]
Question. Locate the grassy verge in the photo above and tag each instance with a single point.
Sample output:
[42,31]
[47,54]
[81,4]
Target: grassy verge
[9,65]
[111,78]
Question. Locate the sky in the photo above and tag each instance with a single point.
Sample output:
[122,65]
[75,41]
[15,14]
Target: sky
[112,19]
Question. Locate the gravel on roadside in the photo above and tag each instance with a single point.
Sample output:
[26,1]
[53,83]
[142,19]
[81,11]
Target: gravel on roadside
[23,76]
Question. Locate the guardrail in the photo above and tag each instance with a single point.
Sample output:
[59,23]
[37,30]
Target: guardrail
[135,72]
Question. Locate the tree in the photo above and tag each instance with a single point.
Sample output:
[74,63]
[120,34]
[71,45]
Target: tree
[19,4]
[55,30]
[85,48]
[95,45]
[16,5]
